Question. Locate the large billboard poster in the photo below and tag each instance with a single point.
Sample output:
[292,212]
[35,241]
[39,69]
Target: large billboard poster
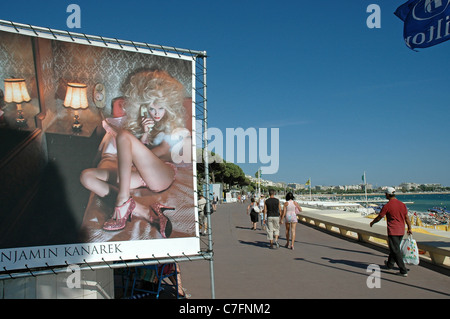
[109,174]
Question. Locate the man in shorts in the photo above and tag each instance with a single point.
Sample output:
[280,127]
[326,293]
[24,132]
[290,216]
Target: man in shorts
[272,211]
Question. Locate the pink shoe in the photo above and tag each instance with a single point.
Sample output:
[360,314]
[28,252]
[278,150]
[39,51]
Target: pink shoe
[114,224]
[165,225]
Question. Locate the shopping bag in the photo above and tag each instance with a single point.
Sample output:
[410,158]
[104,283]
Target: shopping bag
[409,250]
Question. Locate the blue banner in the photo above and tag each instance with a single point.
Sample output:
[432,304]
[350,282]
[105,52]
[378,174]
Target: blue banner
[426,22]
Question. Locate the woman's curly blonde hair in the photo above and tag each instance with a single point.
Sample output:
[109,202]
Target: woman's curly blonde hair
[146,86]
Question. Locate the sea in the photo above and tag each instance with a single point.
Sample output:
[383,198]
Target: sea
[421,203]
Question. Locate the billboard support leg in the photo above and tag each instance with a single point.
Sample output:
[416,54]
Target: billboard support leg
[206,162]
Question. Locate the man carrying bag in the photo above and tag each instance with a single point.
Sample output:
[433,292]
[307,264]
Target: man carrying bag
[397,215]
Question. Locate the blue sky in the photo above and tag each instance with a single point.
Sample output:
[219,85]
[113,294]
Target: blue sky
[346,98]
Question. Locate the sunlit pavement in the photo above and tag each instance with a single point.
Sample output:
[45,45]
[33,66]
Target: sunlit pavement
[323,265]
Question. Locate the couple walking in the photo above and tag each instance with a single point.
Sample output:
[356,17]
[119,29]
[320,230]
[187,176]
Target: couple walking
[277,215]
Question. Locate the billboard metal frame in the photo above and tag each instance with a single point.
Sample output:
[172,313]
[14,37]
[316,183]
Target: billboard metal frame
[199,115]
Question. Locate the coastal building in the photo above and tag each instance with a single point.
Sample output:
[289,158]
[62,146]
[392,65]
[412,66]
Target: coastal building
[408,186]
[415,186]
[296,186]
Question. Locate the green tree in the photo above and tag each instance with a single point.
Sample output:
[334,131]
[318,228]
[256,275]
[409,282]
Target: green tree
[221,171]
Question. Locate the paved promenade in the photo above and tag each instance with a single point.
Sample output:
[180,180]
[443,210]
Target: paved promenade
[322,265]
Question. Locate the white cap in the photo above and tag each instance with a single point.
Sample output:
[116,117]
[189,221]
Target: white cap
[390,191]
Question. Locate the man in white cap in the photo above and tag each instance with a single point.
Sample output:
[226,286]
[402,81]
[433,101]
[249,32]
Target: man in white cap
[397,215]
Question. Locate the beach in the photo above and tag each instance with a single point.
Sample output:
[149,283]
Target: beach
[365,220]
[426,206]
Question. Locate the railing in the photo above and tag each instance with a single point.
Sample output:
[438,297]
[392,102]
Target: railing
[431,248]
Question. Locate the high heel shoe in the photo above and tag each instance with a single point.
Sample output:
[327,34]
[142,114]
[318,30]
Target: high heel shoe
[165,225]
[116,223]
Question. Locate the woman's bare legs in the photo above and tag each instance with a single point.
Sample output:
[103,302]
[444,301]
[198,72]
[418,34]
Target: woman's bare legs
[293,227]
[101,181]
[104,181]
[288,237]
[155,172]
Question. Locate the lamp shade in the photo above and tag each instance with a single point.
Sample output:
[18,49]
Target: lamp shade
[76,96]
[16,91]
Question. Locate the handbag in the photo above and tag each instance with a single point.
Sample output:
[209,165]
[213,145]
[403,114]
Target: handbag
[410,252]
[256,208]
[297,210]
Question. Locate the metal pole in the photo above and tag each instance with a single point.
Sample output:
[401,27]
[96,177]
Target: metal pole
[310,195]
[206,163]
[365,189]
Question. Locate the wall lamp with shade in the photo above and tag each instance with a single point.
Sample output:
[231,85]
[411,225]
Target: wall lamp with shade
[16,92]
[76,98]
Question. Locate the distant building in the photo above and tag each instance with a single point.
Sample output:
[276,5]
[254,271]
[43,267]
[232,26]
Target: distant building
[357,187]
[296,186]
[408,186]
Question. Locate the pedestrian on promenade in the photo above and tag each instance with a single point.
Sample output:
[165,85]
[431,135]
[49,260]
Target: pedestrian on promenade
[272,210]
[261,211]
[397,215]
[253,211]
[289,216]
[201,213]
[215,200]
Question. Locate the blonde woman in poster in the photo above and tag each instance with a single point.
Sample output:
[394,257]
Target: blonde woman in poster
[144,137]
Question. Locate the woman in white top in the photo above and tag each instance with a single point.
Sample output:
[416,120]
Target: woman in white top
[253,211]
[289,216]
